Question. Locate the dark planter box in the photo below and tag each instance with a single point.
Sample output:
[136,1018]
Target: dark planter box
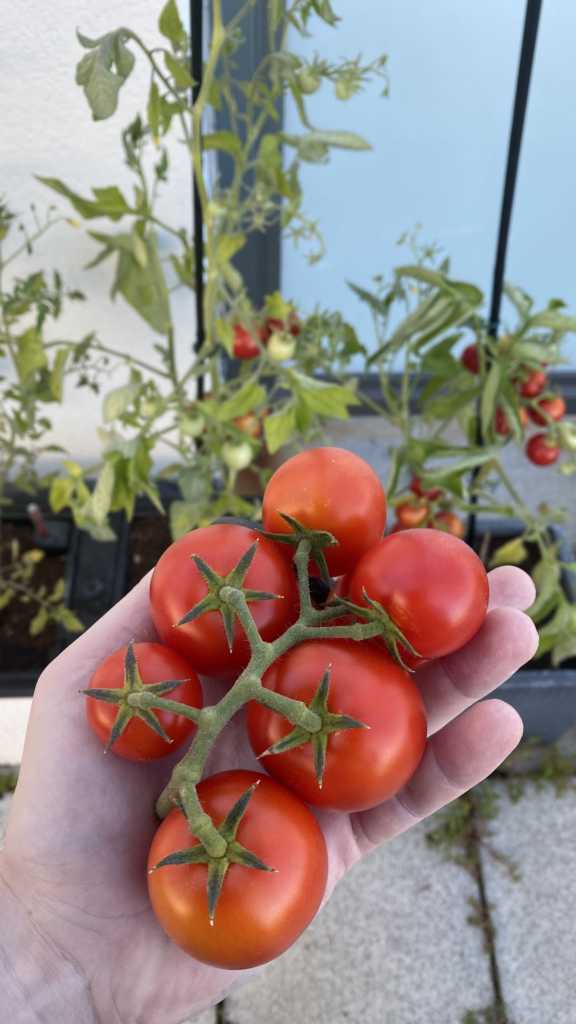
[98,574]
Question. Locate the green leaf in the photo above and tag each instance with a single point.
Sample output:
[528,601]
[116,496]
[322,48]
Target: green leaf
[247,398]
[70,621]
[101,90]
[226,141]
[101,498]
[153,110]
[180,73]
[376,304]
[280,427]
[519,298]
[57,374]
[530,350]
[546,576]
[39,622]
[184,516]
[109,202]
[144,288]
[30,355]
[116,402]
[324,398]
[171,26]
[60,493]
[337,140]
[489,396]
[554,321]
[226,247]
[514,552]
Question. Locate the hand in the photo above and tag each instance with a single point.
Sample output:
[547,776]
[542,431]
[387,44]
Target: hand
[81,823]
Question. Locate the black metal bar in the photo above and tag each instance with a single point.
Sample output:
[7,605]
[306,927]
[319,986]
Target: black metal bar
[525,65]
[197,38]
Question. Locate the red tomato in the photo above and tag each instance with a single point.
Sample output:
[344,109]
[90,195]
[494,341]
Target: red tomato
[272,325]
[259,913]
[470,359]
[553,408]
[533,384]
[249,424]
[245,345]
[156,664]
[410,516]
[542,451]
[502,425]
[177,586]
[363,766]
[450,523]
[329,489]
[431,493]
[433,586]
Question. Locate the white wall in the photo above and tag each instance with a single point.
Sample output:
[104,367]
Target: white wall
[47,129]
[440,145]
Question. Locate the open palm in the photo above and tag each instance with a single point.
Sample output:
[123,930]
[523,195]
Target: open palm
[81,822]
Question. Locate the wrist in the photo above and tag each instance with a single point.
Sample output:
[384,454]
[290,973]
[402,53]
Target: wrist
[37,982]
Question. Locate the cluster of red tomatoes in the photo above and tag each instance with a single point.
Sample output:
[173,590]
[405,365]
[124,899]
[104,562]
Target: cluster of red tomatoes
[277,336]
[537,404]
[427,507]
[428,586]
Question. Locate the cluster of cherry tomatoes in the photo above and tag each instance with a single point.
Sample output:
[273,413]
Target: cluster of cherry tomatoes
[427,587]
[427,507]
[538,405]
[277,336]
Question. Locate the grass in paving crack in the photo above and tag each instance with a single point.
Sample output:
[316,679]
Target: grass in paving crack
[533,764]
[493,1014]
[8,782]
[463,827]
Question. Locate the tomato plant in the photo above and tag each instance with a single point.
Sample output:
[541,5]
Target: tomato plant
[329,489]
[470,359]
[431,584]
[245,345]
[259,913]
[178,586]
[548,409]
[432,493]
[542,450]
[449,522]
[364,766]
[156,664]
[533,384]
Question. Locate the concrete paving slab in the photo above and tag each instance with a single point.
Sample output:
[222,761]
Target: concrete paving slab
[391,947]
[534,918]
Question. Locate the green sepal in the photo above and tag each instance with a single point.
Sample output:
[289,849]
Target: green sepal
[193,855]
[319,747]
[237,576]
[212,578]
[229,826]
[111,696]
[153,723]
[216,874]
[121,721]
[297,737]
[227,614]
[166,687]
[238,854]
[207,604]
[393,637]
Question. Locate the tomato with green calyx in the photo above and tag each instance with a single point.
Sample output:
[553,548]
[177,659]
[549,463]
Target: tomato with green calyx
[548,409]
[542,450]
[138,732]
[259,913]
[362,685]
[179,586]
[245,345]
[430,583]
[328,489]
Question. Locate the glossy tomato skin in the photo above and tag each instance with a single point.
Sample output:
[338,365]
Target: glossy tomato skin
[177,586]
[245,345]
[259,913]
[156,663]
[554,408]
[470,359]
[534,384]
[411,515]
[432,493]
[329,489]
[432,585]
[542,451]
[363,766]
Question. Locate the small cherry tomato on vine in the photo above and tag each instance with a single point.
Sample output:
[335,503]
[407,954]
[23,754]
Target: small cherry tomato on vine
[328,489]
[259,913]
[470,359]
[237,455]
[450,523]
[308,81]
[409,516]
[432,585]
[138,741]
[363,766]
[542,450]
[249,424]
[533,384]
[294,325]
[281,346]
[432,493]
[271,324]
[553,408]
[178,586]
[245,345]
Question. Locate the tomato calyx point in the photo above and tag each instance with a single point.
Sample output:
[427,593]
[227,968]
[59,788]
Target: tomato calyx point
[127,709]
[318,540]
[393,637]
[329,723]
[234,853]
[219,588]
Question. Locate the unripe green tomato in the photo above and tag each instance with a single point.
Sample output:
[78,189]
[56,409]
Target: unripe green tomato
[308,81]
[236,456]
[281,347]
[345,88]
[192,426]
[150,407]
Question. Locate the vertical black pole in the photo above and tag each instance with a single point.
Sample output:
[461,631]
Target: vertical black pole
[525,65]
[196,36]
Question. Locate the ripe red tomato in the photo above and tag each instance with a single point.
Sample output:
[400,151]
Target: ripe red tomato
[553,408]
[542,451]
[245,345]
[249,424]
[177,586]
[329,489]
[363,766]
[410,516]
[259,913]
[433,586]
[156,664]
[502,425]
[450,523]
[533,384]
[432,493]
[470,359]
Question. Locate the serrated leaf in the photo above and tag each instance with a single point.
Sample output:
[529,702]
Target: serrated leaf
[116,402]
[170,24]
[324,398]
[101,498]
[280,427]
[226,141]
[181,75]
[247,398]
[30,355]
